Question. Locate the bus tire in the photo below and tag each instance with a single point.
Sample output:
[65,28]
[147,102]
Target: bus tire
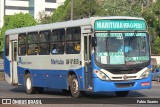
[74,87]
[122,93]
[29,85]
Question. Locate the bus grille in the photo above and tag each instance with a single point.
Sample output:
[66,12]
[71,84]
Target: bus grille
[124,85]
[121,78]
[130,71]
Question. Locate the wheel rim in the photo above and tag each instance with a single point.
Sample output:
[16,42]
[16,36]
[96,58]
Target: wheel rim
[75,86]
[28,83]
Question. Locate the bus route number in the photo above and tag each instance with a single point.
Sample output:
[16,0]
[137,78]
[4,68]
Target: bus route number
[72,61]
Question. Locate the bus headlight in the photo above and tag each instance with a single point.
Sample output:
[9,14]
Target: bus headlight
[145,74]
[101,75]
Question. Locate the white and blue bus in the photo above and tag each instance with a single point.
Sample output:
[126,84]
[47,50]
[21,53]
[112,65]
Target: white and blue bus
[97,54]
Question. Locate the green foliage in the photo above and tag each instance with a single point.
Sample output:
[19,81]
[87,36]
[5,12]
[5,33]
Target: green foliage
[85,8]
[61,13]
[137,8]
[121,8]
[44,18]
[81,9]
[88,8]
[15,21]
[152,16]
[155,47]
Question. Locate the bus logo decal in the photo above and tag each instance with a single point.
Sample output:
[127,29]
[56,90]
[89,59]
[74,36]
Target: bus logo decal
[124,77]
[22,62]
[57,61]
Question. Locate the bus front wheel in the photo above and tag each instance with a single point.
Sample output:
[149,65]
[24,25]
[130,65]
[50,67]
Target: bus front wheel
[122,93]
[29,85]
[74,87]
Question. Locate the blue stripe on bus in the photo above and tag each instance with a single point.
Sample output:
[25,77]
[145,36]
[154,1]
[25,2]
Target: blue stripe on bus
[7,66]
[51,78]
[104,86]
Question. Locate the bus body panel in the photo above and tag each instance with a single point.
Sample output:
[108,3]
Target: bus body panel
[110,85]
[125,86]
[7,66]
[7,72]
[21,75]
[51,78]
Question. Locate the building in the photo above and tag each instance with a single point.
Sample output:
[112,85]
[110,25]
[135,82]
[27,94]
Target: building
[33,7]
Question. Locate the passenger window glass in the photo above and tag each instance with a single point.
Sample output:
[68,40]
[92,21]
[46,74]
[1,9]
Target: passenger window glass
[32,49]
[22,38]
[32,46]
[22,44]
[57,44]
[44,44]
[32,37]
[73,38]
[7,45]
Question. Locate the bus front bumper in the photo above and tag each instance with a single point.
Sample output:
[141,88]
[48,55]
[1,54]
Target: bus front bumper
[109,86]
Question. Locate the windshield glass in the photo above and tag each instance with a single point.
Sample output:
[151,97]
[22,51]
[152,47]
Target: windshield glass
[122,48]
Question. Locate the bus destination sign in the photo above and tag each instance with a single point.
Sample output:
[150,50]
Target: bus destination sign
[120,25]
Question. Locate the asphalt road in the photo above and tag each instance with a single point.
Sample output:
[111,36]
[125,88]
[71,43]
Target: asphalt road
[58,98]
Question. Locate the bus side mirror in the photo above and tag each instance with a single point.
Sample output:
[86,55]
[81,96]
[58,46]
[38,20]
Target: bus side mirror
[94,41]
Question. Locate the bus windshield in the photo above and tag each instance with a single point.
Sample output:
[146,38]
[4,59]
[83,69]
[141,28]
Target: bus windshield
[122,48]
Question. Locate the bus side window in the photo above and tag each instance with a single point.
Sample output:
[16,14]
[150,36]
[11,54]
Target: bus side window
[44,42]
[22,50]
[22,44]
[73,38]
[57,44]
[32,41]
[7,45]
[33,49]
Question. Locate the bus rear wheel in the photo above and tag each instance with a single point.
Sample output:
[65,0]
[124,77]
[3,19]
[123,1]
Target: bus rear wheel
[29,85]
[74,87]
[122,93]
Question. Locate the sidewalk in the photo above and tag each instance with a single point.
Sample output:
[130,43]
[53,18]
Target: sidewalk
[1,76]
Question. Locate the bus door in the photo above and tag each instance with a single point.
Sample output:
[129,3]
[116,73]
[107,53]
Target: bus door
[87,61]
[13,62]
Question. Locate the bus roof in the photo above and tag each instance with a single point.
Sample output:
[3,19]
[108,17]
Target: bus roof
[71,23]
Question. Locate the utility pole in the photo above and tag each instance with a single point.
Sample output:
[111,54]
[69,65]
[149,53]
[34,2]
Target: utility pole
[71,9]
[144,3]
[141,6]
[114,10]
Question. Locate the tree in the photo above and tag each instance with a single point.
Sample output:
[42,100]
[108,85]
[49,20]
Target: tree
[152,16]
[85,9]
[81,9]
[61,13]
[15,21]
[137,8]
[155,47]
[122,7]
[44,18]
